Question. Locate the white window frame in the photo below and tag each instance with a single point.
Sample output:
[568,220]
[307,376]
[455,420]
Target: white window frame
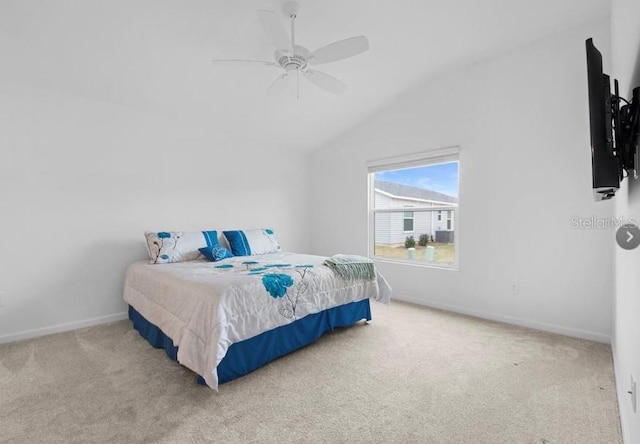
[425,158]
[413,220]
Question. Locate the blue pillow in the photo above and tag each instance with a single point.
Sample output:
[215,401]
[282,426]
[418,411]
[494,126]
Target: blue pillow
[238,242]
[211,238]
[215,253]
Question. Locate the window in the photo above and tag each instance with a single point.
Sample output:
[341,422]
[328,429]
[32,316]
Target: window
[407,221]
[428,184]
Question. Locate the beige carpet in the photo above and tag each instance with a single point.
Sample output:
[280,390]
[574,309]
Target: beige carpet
[412,375]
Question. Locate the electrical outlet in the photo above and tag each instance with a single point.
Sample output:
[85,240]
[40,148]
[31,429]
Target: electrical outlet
[632,393]
[515,288]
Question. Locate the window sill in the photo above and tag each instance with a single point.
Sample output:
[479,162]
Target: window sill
[416,263]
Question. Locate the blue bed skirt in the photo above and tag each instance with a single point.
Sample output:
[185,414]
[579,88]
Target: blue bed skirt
[241,357]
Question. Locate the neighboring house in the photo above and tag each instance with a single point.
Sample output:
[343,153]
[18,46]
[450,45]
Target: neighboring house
[393,228]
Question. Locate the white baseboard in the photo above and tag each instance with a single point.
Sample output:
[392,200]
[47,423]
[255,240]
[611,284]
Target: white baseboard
[620,390]
[573,332]
[28,334]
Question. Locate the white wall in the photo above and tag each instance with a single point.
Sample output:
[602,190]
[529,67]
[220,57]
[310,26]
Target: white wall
[626,332]
[522,123]
[81,180]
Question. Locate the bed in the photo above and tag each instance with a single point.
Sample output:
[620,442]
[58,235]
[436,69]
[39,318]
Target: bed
[224,319]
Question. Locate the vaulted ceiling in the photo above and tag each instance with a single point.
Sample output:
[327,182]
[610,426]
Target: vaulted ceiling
[155,56]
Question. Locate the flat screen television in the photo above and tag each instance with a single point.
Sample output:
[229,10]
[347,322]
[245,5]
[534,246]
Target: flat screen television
[614,130]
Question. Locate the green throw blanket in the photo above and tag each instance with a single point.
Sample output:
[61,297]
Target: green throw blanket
[352,267]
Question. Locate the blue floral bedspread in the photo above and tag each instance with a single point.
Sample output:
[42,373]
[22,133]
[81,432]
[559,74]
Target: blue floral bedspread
[207,306]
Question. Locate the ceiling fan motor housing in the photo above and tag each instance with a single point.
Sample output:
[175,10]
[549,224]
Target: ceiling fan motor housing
[292,62]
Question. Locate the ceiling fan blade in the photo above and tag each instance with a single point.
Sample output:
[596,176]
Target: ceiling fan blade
[340,50]
[325,81]
[279,84]
[262,62]
[275,30]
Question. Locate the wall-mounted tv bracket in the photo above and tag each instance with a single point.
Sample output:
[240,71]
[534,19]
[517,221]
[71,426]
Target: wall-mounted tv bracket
[626,121]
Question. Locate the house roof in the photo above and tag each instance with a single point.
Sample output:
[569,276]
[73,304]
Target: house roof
[399,190]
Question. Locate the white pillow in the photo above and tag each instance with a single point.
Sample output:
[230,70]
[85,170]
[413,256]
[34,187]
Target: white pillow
[178,246]
[252,242]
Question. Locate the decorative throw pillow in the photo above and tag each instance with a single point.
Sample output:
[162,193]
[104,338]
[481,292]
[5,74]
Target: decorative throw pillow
[178,246]
[215,254]
[252,242]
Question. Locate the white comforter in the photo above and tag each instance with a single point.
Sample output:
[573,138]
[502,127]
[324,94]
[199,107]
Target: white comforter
[204,307]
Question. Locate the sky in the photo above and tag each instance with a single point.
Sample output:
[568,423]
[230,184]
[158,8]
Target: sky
[442,177]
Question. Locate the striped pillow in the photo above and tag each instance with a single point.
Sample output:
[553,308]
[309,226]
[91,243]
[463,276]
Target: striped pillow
[252,242]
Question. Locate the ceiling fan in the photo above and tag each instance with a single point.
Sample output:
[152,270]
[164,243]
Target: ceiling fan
[296,60]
